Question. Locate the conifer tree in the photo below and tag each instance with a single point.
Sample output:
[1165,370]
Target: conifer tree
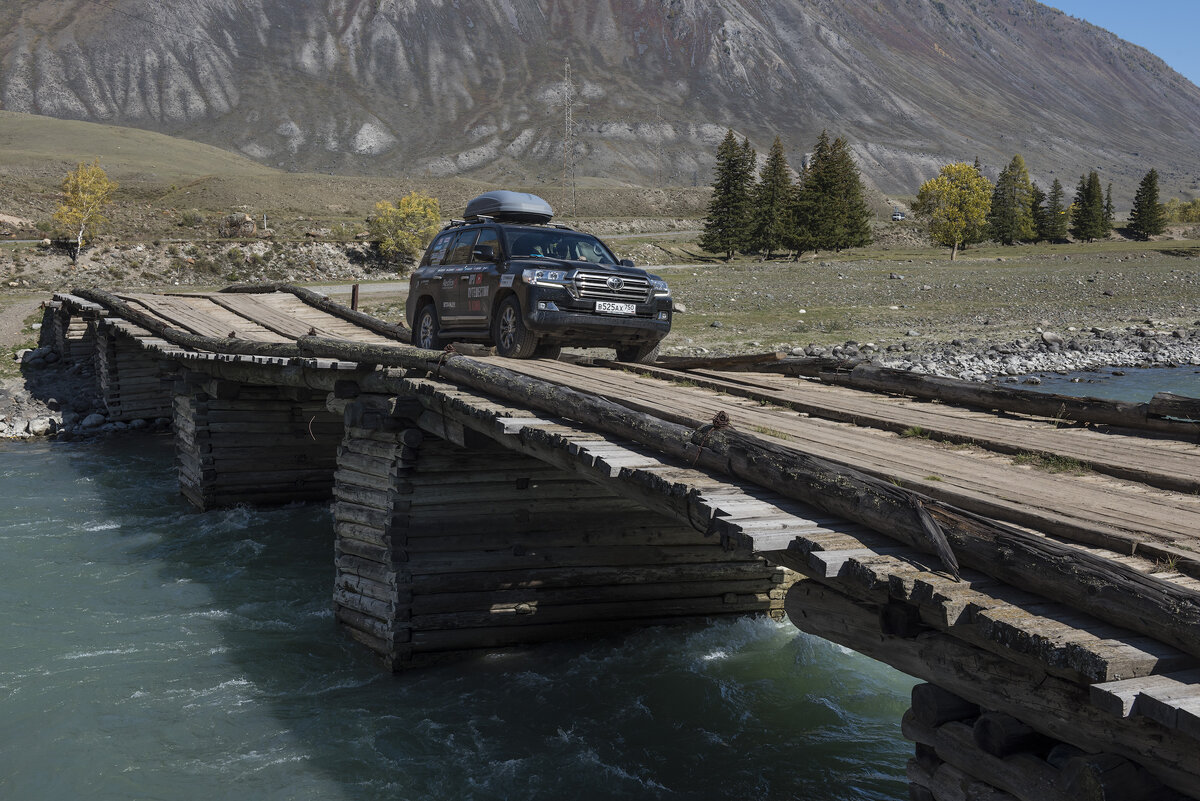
[800,213]
[1087,212]
[728,220]
[1011,217]
[1147,218]
[1110,212]
[1037,209]
[831,201]
[772,199]
[1055,229]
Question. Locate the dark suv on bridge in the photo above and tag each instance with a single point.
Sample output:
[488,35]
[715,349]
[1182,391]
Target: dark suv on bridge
[505,275]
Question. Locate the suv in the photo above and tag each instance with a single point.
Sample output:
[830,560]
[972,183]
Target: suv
[507,276]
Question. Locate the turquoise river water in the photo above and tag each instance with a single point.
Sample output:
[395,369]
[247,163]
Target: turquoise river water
[148,651]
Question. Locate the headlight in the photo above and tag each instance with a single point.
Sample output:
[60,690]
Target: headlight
[659,286]
[546,277]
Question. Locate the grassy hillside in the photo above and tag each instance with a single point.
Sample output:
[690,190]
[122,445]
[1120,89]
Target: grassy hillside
[165,181]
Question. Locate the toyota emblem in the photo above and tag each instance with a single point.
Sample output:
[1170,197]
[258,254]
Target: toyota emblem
[615,283]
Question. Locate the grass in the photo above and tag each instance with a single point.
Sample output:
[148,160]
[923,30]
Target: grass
[1051,463]
[10,367]
[915,432]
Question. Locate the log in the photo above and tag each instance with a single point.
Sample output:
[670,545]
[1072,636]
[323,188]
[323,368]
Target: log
[933,706]
[1106,777]
[999,734]
[1166,404]
[729,363]
[989,396]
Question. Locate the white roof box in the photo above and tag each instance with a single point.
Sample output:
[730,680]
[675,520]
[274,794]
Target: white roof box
[501,204]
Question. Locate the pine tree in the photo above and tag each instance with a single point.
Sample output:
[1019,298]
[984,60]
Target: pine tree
[728,221]
[1110,212]
[852,228]
[1037,210]
[1147,218]
[772,199]
[1055,229]
[1087,212]
[1011,218]
[800,213]
[830,201]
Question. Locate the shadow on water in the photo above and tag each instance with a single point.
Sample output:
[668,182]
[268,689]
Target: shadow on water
[281,704]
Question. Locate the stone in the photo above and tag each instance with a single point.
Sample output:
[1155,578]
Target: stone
[93,420]
[1051,338]
[912,332]
[716,324]
[239,226]
[41,426]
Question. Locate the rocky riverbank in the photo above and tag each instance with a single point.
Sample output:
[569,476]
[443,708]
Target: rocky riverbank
[1019,360]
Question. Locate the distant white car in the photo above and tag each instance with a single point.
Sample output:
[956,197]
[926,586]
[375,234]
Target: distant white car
[897,216]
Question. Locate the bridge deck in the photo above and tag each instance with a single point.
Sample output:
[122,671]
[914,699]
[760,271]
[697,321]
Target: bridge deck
[1090,509]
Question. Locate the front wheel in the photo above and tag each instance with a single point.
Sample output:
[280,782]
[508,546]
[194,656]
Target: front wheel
[644,353]
[513,340]
[425,331]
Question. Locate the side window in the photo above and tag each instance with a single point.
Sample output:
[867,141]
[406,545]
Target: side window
[460,252]
[434,255]
[489,236]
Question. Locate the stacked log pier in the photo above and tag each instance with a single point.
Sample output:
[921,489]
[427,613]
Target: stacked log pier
[134,383]
[443,549]
[247,444]
[965,752]
[71,334]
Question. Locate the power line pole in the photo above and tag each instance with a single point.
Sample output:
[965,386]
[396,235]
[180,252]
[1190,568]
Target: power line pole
[569,106]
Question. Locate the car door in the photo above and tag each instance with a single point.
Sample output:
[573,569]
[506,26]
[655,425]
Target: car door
[479,282]
[458,257]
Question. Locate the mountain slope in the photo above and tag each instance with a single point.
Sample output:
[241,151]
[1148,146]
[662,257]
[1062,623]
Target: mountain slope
[446,87]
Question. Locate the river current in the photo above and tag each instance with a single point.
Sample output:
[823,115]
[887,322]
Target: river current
[148,651]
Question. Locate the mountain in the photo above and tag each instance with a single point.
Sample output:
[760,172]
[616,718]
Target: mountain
[453,87]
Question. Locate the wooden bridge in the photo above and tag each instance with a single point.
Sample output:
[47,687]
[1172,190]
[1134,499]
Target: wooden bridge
[482,503]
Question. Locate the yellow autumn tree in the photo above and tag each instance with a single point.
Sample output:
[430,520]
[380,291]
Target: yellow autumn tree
[86,193]
[403,230]
[956,205]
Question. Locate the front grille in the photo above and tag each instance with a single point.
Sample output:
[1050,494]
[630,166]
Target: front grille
[594,286]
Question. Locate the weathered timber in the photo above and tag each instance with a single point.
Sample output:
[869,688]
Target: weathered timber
[932,705]
[1167,404]
[989,396]
[734,363]
[999,734]
[1104,588]
[1052,706]
[397,331]
[1024,775]
[1107,777]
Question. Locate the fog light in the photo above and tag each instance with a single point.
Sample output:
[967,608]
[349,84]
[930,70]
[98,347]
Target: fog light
[662,315]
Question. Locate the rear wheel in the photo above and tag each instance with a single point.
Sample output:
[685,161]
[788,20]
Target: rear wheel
[644,353]
[425,331]
[513,340]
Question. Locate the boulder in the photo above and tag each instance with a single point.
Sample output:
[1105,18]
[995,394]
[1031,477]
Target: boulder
[236,226]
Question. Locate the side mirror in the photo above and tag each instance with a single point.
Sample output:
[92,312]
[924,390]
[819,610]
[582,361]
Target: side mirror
[627,263]
[483,253]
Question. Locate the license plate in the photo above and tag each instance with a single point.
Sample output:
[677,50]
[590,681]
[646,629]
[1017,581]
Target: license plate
[607,307]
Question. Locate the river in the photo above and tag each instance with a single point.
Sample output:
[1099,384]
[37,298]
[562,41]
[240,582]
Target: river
[148,651]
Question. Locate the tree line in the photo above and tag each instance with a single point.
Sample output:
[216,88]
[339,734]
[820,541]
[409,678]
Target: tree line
[820,207]
[962,207]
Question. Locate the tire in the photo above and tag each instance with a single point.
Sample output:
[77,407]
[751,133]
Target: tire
[425,330]
[645,353]
[513,340]
[547,351]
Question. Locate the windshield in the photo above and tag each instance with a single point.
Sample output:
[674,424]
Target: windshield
[554,244]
